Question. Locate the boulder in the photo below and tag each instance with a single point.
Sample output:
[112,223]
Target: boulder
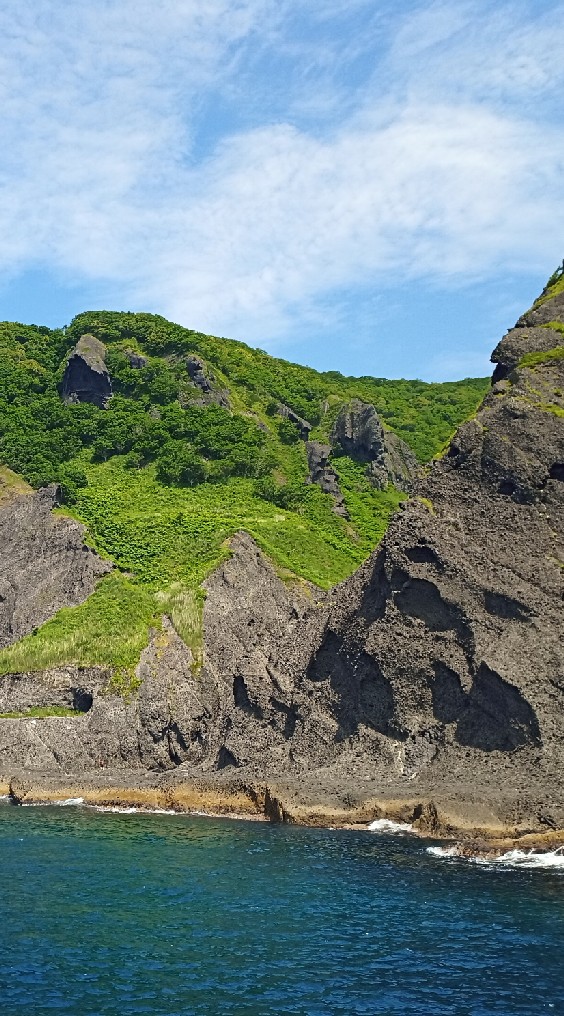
[203,379]
[86,377]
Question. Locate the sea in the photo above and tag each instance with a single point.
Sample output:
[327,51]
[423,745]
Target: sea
[108,913]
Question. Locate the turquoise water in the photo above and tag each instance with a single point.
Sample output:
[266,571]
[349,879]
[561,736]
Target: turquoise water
[111,914]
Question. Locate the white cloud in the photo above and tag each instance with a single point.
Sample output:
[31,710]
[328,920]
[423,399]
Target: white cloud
[431,172]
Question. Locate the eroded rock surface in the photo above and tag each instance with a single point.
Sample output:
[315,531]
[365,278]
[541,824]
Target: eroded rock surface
[303,427]
[359,432]
[86,377]
[321,472]
[204,381]
[45,563]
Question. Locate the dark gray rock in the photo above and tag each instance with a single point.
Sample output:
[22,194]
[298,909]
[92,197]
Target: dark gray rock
[304,428]
[322,473]
[359,432]
[86,377]
[45,563]
[203,379]
[136,360]
[541,313]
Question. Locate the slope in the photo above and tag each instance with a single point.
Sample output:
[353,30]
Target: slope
[193,438]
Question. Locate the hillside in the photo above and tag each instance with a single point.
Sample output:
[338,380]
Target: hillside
[189,439]
[426,687]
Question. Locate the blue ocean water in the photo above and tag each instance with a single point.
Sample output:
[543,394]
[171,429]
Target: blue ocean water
[111,914]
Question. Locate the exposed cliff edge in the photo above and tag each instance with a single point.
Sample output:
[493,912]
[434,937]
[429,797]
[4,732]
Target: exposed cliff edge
[431,683]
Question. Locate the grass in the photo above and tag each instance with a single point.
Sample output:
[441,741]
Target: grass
[41,712]
[110,628]
[554,287]
[556,326]
[551,407]
[534,359]
[12,485]
[165,541]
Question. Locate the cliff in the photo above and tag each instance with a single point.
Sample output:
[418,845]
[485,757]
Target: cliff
[429,684]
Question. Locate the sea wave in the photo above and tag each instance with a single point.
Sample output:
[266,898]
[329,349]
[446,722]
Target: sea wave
[124,810]
[511,859]
[69,801]
[385,825]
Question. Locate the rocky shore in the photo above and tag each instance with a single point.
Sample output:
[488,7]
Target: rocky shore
[426,689]
[473,828]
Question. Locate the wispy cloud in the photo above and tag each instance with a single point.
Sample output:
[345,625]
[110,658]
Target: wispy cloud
[212,159]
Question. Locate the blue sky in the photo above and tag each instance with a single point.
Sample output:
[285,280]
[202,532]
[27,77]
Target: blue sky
[374,187]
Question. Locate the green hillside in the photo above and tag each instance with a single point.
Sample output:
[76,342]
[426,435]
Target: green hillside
[162,481]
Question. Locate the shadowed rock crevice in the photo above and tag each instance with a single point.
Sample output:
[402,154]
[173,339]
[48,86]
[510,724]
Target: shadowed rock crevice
[375,594]
[492,716]
[449,697]
[81,700]
[226,759]
[500,605]
[358,690]
[421,599]
[422,554]
[497,717]
[242,699]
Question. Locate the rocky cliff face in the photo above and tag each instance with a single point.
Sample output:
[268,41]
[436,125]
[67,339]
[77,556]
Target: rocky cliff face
[86,377]
[437,669]
[358,431]
[45,563]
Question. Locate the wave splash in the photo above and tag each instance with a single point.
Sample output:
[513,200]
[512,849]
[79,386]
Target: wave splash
[385,825]
[512,859]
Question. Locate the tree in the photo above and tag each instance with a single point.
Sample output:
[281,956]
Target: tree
[180,465]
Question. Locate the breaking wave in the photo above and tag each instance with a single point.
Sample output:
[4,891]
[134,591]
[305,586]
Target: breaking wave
[512,859]
[385,825]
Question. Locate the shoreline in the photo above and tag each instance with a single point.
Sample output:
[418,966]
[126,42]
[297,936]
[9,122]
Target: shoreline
[424,815]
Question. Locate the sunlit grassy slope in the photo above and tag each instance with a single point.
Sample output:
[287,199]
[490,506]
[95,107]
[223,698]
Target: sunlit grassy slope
[245,469]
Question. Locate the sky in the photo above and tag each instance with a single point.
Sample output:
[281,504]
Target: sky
[373,187]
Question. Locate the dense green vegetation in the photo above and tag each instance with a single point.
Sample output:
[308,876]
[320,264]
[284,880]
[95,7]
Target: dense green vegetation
[162,481]
[554,286]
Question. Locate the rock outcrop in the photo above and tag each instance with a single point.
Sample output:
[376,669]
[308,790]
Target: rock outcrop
[205,383]
[322,473]
[86,377]
[434,674]
[303,427]
[136,360]
[45,563]
[359,432]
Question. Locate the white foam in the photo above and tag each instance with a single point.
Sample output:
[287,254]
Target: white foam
[114,809]
[69,801]
[512,859]
[443,851]
[385,825]
[529,858]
